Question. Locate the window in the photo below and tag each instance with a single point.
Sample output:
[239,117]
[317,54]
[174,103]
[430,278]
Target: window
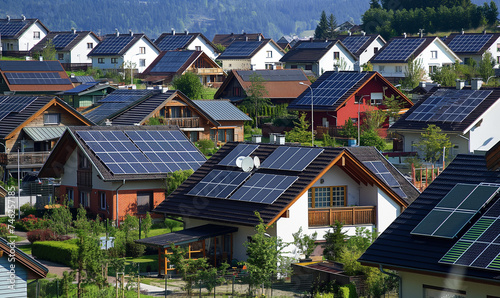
[142,50]
[100,60]
[432,68]
[36,34]
[142,62]
[144,202]
[434,54]
[467,61]
[102,200]
[193,136]
[399,68]
[432,292]
[90,45]
[498,59]
[114,60]
[269,66]
[326,197]
[197,48]
[308,67]
[293,66]
[71,197]
[83,161]
[60,56]
[85,199]
[51,118]
[175,112]
[269,54]
[358,99]
[236,91]
[375,50]
[381,68]
[336,55]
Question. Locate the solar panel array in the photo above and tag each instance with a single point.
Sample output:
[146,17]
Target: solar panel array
[480,246]
[125,95]
[263,188]
[241,48]
[379,169]
[172,61]
[14,104]
[314,45]
[448,105]
[399,49]
[31,65]
[219,184]
[354,42]
[112,45]
[36,78]
[61,41]
[239,150]
[291,158]
[173,42]
[455,210]
[331,89]
[466,43]
[81,88]
[143,152]
[274,75]
[11,28]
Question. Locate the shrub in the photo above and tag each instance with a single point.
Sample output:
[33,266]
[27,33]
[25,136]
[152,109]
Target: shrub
[135,250]
[4,231]
[206,146]
[45,235]
[27,209]
[344,292]
[30,223]
[56,251]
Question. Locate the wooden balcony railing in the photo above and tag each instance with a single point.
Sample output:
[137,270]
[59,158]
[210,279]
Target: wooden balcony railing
[183,122]
[28,158]
[356,215]
[208,71]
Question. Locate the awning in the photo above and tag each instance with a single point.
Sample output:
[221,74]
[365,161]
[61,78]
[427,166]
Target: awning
[187,235]
[44,133]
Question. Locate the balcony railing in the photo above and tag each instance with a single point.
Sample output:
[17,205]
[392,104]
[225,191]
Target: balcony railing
[27,158]
[183,122]
[357,215]
[208,71]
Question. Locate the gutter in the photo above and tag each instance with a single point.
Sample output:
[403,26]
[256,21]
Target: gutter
[400,282]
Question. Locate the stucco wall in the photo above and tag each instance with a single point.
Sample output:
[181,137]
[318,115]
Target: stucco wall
[205,47]
[80,51]
[26,40]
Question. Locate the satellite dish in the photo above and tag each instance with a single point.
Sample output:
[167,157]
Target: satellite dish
[247,164]
[256,162]
[239,160]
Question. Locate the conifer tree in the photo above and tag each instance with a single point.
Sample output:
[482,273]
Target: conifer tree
[322,28]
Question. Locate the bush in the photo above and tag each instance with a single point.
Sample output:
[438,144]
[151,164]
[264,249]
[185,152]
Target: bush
[45,235]
[4,231]
[27,209]
[135,250]
[344,292]
[64,252]
[206,146]
[30,223]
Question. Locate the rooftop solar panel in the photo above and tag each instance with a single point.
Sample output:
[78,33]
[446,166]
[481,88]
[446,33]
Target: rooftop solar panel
[219,184]
[112,45]
[291,158]
[81,88]
[172,61]
[274,75]
[314,45]
[125,95]
[173,42]
[36,78]
[61,41]
[379,169]
[354,42]
[399,49]
[239,150]
[241,49]
[10,65]
[469,43]
[14,104]
[11,28]
[263,188]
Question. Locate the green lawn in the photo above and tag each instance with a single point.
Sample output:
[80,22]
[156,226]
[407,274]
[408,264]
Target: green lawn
[25,248]
[208,93]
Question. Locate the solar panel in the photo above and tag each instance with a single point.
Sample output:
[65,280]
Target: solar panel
[239,150]
[10,65]
[314,45]
[36,78]
[11,28]
[448,105]
[60,41]
[263,188]
[112,45]
[455,210]
[354,42]
[278,75]
[241,48]
[173,42]
[126,95]
[379,169]
[469,43]
[291,158]
[172,61]
[399,49]
[219,184]
[14,104]
[81,88]
[331,89]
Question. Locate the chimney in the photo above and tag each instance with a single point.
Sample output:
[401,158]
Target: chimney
[117,32]
[422,84]
[272,138]
[186,31]
[74,30]
[260,38]
[40,58]
[8,18]
[460,84]
[463,32]
[23,17]
[349,32]
[256,138]
[246,38]
[280,139]
[363,32]
[173,31]
[476,83]
[130,32]
[484,31]
[404,34]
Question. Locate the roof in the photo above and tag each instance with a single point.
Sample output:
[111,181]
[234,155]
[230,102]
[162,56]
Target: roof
[471,43]
[81,88]
[35,76]
[81,79]
[398,249]
[13,28]
[357,44]
[118,44]
[187,235]
[44,133]
[126,152]
[424,89]
[227,39]
[401,49]
[221,110]
[441,102]
[180,203]
[37,269]
[310,51]
[63,41]
[179,41]
[244,49]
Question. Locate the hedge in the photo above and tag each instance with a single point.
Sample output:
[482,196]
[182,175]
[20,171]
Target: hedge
[56,251]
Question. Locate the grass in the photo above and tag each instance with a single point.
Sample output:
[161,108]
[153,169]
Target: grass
[156,232]
[25,248]
[208,93]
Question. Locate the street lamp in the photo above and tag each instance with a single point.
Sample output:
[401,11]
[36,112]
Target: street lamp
[359,117]
[312,112]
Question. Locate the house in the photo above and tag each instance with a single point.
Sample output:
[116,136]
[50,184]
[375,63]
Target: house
[33,77]
[251,55]
[217,120]
[226,39]
[293,187]
[20,35]
[363,46]
[286,42]
[186,41]
[72,47]
[117,170]
[431,53]
[338,96]
[473,46]
[32,125]
[319,56]
[17,267]
[86,94]
[467,115]
[444,245]
[345,26]
[132,50]
[422,89]
[175,63]
[281,85]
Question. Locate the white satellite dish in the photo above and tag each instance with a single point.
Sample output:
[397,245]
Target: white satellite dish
[239,160]
[247,164]
[256,162]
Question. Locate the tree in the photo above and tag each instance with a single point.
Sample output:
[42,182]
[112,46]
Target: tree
[300,132]
[349,130]
[305,243]
[321,30]
[175,179]
[128,71]
[334,242]
[256,100]
[445,76]
[491,13]
[61,219]
[432,141]
[374,4]
[146,224]
[371,138]
[485,66]
[414,73]
[49,51]
[129,225]
[189,84]
[393,106]
[332,25]
[188,269]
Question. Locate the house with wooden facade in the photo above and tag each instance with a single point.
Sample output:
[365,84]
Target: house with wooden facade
[252,55]
[117,170]
[19,36]
[186,42]
[293,187]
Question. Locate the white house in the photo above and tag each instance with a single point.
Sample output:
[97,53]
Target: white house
[20,35]
[430,52]
[72,47]
[186,41]
[251,55]
[473,46]
[319,56]
[294,187]
[363,46]
[129,49]
[469,116]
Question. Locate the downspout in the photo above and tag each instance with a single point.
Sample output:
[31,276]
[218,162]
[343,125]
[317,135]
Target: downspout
[400,282]
[116,206]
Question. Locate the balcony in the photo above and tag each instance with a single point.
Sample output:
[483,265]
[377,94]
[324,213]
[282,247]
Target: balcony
[27,159]
[209,71]
[357,215]
[191,122]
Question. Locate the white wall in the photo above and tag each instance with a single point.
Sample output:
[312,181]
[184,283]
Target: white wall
[205,47]
[260,59]
[369,52]
[285,227]
[70,167]
[80,51]
[346,60]
[26,40]
[414,137]
[243,64]
[485,133]
[387,211]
